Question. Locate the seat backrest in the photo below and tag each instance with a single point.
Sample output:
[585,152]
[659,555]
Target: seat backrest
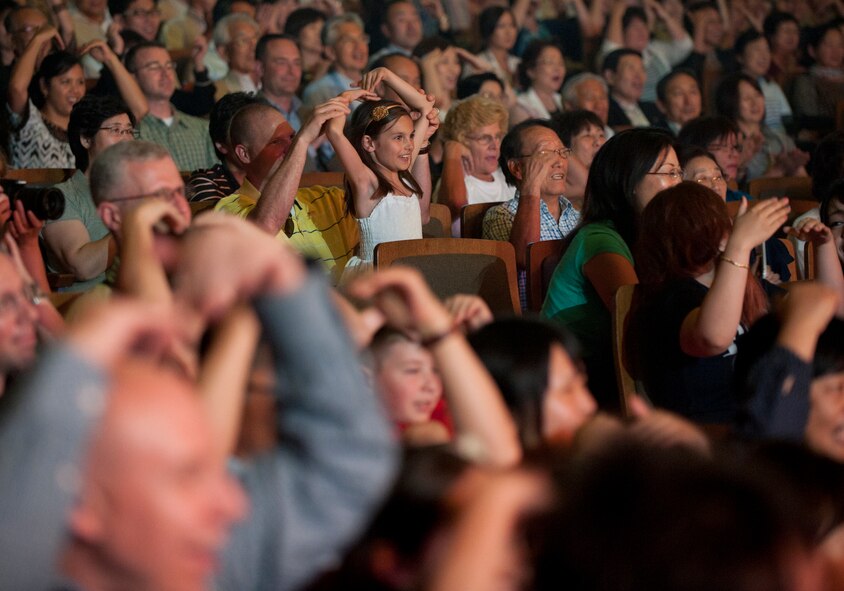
[486,268]
[472,219]
[792,266]
[793,187]
[439,226]
[809,260]
[626,383]
[542,259]
[40,176]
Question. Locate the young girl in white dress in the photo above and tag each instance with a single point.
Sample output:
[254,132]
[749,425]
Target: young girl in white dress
[384,153]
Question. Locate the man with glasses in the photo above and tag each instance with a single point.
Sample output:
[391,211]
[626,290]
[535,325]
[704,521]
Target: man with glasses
[535,161]
[139,18]
[236,37]
[186,137]
[78,242]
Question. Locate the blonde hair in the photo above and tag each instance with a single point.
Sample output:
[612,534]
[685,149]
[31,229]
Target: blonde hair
[470,114]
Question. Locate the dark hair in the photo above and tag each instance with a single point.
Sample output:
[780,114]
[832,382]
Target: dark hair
[261,46]
[662,85]
[694,7]
[745,39]
[613,58]
[618,167]
[382,61]
[773,22]
[705,130]
[834,193]
[516,352]
[816,35]
[633,13]
[55,64]
[116,7]
[569,124]
[727,99]
[86,118]
[488,20]
[362,124]
[301,18]
[429,44]
[471,85]
[530,57]
[687,152]
[389,4]
[223,8]
[827,163]
[132,54]
[512,145]
[222,114]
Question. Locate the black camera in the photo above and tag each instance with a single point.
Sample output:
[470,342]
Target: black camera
[46,203]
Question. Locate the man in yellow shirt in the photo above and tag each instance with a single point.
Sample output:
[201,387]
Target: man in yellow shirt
[315,219]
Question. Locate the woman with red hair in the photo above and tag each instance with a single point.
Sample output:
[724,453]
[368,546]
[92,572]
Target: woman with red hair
[697,295]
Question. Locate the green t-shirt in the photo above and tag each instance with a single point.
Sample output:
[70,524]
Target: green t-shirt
[572,300]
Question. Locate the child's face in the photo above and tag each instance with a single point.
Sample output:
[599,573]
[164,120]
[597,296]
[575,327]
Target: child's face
[408,382]
[825,427]
[393,147]
[567,402]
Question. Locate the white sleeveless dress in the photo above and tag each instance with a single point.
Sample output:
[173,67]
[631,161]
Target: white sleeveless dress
[396,217]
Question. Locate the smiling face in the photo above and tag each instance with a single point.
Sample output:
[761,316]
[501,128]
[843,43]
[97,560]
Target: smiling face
[705,170]
[836,224]
[628,81]
[756,57]
[592,96]
[658,178]
[586,143]
[403,25]
[786,39]
[448,69]
[637,35]
[751,104]
[535,140]
[281,68]
[505,33]
[408,382]
[727,152]
[64,91]
[485,145]
[351,49]
[682,99]
[105,138]
[240,51]
[549,72]
[825,426]
[830,51]
[143,17]
[393,147]
[156,79]
[567,403]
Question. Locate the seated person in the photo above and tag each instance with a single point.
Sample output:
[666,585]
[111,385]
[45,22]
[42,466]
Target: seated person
[679,99]
[471,173]
[272,159]
[584,133]
[541,74]
[817,92]
[626,76]
[540,210]
[235,38]
[223,179]
[78,242]
[589,92]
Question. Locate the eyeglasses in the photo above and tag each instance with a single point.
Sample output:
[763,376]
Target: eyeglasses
[714,180]
[245,41]
[26,29]
[176,194]
[15,303]
[726,148]
[486,139]
[158,67]
[561,152]
[142,13]
[122,131]
[353,39]
[675,175]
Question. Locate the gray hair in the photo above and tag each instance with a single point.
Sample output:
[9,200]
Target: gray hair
[329,32]
[107,171]
[222,34]
[569,92]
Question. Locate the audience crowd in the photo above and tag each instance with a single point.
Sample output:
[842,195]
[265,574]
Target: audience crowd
[207,381]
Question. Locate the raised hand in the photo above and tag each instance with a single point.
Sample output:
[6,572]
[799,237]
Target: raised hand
[810,230]
[336,108]
[537,168]
[470,312]
[98,49]
[754,225]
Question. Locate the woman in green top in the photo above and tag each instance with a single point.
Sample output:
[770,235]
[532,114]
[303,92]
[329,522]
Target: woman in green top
[626,173]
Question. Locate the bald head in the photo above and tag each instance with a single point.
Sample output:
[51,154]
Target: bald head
[157,503]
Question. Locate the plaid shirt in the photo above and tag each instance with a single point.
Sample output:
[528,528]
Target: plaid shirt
[498,222]
[186,138]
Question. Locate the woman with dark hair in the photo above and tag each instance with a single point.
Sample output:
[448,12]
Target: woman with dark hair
[583,132]
[78,242]
[696,296]
[39,102]
[499,30]
[720,137]
[754,55]
[700,167]
[783,33]
[768,152]
[439,60]
[541,75]
[626,173]
[537,368]
[486,84]
[816,93]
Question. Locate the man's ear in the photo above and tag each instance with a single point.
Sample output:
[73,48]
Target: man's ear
[42,84]
[367,143]
[661,106]
[609,76]
[329,53]
[242,153]
[85,520]
[110,214]
[223,52]
[515,167]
